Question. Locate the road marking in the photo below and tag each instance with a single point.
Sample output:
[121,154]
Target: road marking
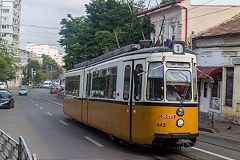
[49,114]
[214,154]
[41,108]
[64,123]
[36,104]
[93,141]
[52,101]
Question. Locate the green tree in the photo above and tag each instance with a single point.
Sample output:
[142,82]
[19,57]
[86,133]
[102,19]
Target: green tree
[50,67]
[166,1]
[32,65]
[92,35]
[8,61]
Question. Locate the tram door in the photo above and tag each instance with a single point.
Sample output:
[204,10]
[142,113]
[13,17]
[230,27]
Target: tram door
[125,108]
[137,96]
[132,114]
[87,84]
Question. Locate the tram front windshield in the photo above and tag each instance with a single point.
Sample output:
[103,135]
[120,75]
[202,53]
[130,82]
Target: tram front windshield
[178,85]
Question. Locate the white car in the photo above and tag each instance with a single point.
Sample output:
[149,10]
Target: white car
[22,91]
[47,84]
[3,85]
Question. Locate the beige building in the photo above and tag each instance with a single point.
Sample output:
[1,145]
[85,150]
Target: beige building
[219,54]
[52,51]
[187,17]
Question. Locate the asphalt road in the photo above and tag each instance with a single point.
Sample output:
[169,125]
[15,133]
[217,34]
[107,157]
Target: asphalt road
[52,135]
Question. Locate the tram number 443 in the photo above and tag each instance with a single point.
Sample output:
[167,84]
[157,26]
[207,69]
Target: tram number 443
[161,124]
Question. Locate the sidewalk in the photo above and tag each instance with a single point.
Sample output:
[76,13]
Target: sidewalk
[223,128]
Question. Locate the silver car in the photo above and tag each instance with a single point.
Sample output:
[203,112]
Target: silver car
[22,91]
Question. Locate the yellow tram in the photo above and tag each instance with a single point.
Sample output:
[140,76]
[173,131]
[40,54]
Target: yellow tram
[143,96]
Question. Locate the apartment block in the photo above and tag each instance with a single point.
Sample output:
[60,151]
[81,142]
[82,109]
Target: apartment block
[52,51]
[10,20]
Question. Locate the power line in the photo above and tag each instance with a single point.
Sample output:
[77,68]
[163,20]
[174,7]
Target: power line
[212,12]
[36,26]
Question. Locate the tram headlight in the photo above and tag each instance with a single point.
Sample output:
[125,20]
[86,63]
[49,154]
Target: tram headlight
[180,122]
[180,112]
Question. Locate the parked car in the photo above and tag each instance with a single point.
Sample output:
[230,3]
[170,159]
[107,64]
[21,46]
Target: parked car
[3,85]
[6,100]
[22,91]
[39,85]
[47,84]
[53,90]
[5,90]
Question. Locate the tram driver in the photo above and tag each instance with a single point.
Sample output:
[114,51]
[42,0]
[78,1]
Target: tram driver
[172,94]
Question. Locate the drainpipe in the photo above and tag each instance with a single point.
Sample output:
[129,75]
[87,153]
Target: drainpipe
[186,19]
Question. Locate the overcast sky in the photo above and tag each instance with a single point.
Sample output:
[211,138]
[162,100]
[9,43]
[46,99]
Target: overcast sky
[47,13]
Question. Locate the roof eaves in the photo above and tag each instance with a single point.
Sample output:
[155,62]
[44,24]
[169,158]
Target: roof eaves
[161,6]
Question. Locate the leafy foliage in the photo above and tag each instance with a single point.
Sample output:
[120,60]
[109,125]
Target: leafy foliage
[48,70]
[166,1]
[8,61]
[92,35]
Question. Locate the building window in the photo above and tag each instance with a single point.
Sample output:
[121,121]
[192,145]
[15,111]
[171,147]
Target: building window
[229,86]
[172,32]
[5,10]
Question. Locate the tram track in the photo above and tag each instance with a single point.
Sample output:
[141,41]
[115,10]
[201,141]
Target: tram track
[237,150]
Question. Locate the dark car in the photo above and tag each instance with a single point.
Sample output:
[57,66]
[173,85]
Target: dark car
[6,100]
[5,90]
[53,90]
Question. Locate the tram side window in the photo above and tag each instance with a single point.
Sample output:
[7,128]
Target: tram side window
[155,82]
[126,86]
[138,82]
[111,82]
[104,83]
[94,92]
[72,85]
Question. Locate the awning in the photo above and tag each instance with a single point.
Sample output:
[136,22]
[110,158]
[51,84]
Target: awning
[208,70]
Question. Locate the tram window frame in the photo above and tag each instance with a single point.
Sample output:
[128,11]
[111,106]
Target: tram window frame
[126,84]
[195,89]
[153,80]
[169,64]
[138,82]
[88,85]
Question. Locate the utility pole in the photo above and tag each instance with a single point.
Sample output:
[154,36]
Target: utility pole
[32,74]
[51,72]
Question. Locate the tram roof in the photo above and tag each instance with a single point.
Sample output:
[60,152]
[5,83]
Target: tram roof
[131,49]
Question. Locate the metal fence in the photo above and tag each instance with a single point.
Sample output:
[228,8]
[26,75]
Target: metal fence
[13,150]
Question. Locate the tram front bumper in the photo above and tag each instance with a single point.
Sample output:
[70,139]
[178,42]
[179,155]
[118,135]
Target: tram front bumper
[176,135]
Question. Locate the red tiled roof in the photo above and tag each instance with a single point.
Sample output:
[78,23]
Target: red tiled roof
[161,6]
[231,26]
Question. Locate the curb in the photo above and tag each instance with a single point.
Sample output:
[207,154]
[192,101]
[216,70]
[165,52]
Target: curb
[210,130]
